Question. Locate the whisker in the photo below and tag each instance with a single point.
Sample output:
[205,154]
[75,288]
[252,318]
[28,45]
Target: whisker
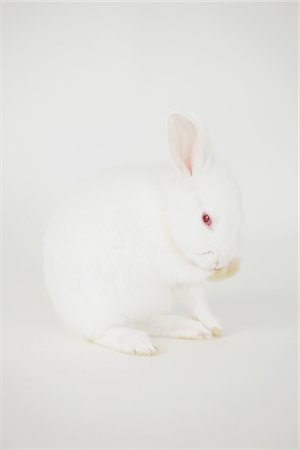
[206,253]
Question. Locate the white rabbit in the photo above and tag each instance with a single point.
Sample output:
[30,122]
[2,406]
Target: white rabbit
[130,241]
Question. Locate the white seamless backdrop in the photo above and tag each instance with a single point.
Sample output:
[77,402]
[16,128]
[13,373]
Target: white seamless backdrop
[90,85]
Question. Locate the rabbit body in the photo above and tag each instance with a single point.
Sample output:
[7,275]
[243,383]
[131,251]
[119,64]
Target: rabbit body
[117,254]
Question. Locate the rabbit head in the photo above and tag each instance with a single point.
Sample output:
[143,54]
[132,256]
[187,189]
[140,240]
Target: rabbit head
[203,209]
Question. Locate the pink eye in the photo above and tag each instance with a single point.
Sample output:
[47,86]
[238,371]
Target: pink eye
[206,219]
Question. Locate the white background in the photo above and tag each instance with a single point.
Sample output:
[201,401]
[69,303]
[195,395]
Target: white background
[91,85]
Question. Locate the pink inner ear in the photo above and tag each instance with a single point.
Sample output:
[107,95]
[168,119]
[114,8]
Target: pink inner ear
[186,150]
[188,165]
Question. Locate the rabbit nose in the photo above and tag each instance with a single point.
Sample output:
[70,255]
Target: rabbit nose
[218,265]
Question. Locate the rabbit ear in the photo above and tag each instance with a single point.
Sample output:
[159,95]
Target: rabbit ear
[184,143]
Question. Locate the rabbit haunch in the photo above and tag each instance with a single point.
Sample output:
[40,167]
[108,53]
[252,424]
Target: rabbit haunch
[130,241]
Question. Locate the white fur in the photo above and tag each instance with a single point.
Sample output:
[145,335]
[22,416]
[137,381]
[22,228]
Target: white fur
[130,241]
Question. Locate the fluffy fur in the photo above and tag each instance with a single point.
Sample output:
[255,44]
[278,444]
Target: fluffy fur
[130,241]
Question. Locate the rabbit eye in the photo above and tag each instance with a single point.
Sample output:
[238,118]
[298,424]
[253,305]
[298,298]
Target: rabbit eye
[206,219]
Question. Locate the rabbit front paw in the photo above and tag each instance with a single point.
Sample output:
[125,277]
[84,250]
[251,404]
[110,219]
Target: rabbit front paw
[179,327]
[211,324]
